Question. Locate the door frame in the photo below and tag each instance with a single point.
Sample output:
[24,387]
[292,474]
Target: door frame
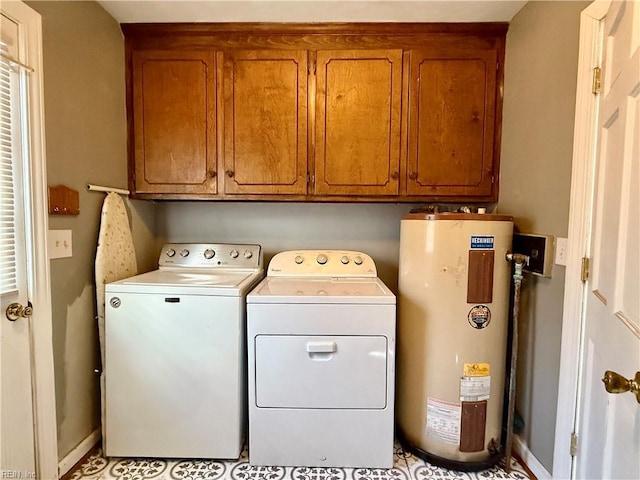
[580,224]
[37,226]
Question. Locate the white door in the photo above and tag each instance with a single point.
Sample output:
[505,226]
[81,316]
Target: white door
[27,398]
[16,406]
[609,424]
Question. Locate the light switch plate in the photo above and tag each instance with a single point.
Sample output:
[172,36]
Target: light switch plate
[60,244]
[561,251]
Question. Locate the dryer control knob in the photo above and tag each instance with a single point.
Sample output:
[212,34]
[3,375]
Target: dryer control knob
[322,259]
[344,260]
[171,252]
[358,260]
[209,253]
[234,253]
[247,254]
[184,253]
[298,259]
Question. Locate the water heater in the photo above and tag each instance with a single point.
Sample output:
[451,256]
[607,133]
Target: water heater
[453,302]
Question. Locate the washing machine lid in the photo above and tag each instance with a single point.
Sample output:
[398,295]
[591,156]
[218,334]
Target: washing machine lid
[322,290]
[232,282]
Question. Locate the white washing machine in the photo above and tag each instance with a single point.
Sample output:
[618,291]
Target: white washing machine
[321,345]
[175,350]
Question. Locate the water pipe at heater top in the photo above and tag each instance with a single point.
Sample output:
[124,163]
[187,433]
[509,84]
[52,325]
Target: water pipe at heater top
[519,260]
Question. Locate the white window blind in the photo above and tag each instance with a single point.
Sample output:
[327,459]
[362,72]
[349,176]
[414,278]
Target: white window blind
[10,171]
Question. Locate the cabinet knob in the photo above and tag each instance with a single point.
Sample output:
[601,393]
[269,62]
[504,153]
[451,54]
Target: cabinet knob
[229,173]
[212,174]
[413,175]
[394,175]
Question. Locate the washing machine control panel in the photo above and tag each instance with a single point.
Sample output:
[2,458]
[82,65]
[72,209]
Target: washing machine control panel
[322,263]
[210,255]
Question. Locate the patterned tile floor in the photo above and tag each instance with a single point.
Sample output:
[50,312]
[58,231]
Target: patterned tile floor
[406,467]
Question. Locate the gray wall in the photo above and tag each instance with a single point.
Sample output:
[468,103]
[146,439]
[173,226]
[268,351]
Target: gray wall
[535,179]
[371,228]
[85,128]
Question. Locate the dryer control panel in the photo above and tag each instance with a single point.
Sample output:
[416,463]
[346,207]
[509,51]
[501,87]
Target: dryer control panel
[210,255]
[322,263]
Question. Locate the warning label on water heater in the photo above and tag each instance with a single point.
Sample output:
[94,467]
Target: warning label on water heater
[443,421]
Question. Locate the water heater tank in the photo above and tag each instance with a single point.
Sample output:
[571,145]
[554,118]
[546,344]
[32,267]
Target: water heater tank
[453,302]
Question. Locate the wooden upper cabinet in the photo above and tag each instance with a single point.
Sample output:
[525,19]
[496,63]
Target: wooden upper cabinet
[174,122]
[265,122]
[358,112]
[315,112]
[452,116]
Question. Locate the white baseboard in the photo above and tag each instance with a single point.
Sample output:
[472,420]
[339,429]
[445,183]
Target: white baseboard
[75,455]
[530,461]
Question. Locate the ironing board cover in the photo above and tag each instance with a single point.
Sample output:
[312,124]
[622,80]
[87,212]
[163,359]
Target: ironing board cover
[115,260]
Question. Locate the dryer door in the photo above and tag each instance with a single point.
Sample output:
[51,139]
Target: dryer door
[296,371]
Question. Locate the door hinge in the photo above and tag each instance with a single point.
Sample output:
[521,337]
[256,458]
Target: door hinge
[573,449]
[584,269]
[597,80]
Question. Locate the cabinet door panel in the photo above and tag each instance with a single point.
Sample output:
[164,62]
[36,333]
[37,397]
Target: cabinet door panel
[451,118]
[174,122]
[358,122]
[265,116]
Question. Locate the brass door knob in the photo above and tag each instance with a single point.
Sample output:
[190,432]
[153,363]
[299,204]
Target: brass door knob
[616,383]
[16,311]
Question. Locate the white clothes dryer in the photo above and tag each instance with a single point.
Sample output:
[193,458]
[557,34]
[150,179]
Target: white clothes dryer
[321,348]
[175,350]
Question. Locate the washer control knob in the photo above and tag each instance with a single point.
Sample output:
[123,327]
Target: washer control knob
[298,259]
[209,253]
[171,252]
[184,252]
[322,259]
[247,254]
[234,253]
[344,260]
[358,260]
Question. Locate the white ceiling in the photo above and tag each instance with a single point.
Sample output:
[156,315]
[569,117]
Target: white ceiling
[171,11]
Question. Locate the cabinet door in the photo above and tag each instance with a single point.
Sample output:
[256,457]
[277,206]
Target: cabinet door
[265,119]
[174,122]
[452,114]
[358,118]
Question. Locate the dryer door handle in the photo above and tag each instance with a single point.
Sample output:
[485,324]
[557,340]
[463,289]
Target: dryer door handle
[321,347]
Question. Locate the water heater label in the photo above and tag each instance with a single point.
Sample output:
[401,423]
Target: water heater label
[443,421]
[481,241]
[476,369]
[479,316]
[475,389]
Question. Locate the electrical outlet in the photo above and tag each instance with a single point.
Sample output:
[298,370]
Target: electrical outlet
[539,249]
[561,251]
[60,244]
